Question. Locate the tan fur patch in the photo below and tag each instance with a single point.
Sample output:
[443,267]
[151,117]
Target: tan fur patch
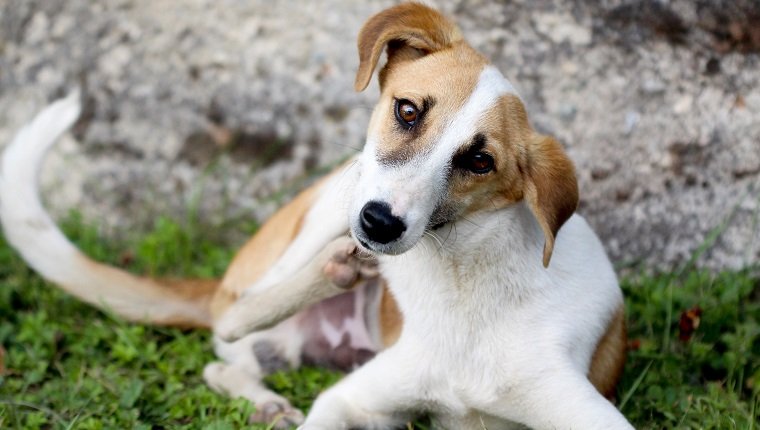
[551,188]
[609,357]
[391,320]
[409,30]
[422,82]
[505,127]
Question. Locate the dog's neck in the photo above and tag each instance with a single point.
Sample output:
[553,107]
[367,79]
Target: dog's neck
[488,259]
[511,233]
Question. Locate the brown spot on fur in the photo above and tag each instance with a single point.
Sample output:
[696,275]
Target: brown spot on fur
[391,320]
[609,357]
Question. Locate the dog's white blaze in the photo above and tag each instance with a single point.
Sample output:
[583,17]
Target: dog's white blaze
[414,189]
[463,125]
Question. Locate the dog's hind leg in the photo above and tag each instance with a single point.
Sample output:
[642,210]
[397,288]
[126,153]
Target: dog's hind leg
[381,395]
[340,332]
[235,380]
[248,360]
[333,271]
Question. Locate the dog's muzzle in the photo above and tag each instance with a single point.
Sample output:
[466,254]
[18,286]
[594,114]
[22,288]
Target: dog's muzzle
[379,224]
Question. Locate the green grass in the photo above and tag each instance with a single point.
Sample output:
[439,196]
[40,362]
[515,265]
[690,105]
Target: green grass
[70,366]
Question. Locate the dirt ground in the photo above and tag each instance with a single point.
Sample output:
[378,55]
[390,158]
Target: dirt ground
[221,106]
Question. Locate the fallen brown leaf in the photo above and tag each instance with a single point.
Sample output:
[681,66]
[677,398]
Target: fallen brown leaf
[689,323]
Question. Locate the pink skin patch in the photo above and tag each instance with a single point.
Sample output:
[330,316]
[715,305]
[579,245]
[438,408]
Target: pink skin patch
[337,331]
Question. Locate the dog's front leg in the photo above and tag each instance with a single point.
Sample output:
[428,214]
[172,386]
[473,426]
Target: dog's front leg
[560,400]
[382,394]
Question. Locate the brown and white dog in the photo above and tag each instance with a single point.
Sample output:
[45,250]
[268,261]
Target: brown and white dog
[456,203]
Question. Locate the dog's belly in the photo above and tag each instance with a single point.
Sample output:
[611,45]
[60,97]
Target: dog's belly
[342,331]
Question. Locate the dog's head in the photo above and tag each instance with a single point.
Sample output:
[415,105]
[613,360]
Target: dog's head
[449,137]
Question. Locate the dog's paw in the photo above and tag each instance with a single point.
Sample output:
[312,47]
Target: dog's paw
[348,264]
[279,415]
[216,376]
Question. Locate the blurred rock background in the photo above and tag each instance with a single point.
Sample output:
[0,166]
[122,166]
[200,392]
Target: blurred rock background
[226,108]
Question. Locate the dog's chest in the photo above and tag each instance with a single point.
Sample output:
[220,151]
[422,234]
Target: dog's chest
[469,322]
[470,293]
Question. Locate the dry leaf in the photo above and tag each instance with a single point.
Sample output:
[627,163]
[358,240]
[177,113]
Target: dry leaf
[689,323]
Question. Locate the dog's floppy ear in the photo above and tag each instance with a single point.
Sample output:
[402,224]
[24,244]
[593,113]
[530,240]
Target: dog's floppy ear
[551,188]
[409,28]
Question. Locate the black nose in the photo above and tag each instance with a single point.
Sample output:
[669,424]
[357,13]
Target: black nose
[379,224]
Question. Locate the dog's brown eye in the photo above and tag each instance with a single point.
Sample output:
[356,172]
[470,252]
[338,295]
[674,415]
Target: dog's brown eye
[480,163]
[406,113]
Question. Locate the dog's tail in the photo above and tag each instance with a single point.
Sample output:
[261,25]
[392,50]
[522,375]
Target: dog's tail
[29,229]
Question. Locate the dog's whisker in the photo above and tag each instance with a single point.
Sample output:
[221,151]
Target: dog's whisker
[448,235]
[435,238]
[471,222]
[444,242]
[345,145]
[426,247]
[341,182]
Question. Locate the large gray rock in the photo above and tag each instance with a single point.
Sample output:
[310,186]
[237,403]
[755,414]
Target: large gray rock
[222,107]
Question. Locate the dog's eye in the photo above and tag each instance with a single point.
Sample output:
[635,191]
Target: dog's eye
[478,162]
[406,113]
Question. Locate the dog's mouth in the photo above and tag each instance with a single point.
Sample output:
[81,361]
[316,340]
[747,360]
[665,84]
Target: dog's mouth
[443,214]
[387,237]
[394,248]
[362,243]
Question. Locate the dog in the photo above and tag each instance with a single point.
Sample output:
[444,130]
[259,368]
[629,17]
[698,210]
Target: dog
[445,261]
